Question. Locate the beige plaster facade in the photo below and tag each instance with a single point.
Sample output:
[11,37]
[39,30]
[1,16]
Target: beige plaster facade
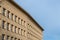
[17,24]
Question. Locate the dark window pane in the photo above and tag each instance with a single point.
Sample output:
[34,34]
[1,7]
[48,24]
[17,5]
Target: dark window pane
[7,26]
[11,16]
[15,29]
[3,36]
[3,24]
[18,30]
[11,27]
[4,11]
[15,18]
[11,38]
[8,14]
[7,38]
[15,38]
[18,39]
[18,20]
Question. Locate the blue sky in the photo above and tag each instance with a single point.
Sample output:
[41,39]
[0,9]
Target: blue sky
[46,13]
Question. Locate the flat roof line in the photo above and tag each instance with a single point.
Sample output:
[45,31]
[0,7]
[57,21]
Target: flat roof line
[19,7]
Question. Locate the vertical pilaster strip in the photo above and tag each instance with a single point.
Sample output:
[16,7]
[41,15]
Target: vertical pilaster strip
[13,28]
[5,25]
[20,31]
[5,38]
[0,9]
[0,6]
[10,15]
[16,30]
[0,16]
[6,13]
[0,20]
[0,23]
[17,19]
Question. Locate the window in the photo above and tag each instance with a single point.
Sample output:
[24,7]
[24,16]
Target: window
[15,18]
[28,26]
[18,30]
[21,21]
[7,26]
[18,20]
[15,38]
[21,31]
[11,28]
[11,16]
[3,24]
[11,38]
[24,23]
[3,36]
[8,14]
[15,29]
[18,39]
[24,32]
[7,38]
[4,11]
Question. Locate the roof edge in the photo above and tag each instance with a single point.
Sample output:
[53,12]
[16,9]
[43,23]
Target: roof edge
[19,7]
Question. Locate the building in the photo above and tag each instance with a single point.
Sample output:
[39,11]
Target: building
[17,24]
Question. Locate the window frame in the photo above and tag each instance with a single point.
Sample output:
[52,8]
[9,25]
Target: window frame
[3,36]
[8,26]
[3,12]
[3,24]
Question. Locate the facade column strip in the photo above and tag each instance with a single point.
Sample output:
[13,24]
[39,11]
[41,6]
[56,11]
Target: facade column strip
[1,9]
